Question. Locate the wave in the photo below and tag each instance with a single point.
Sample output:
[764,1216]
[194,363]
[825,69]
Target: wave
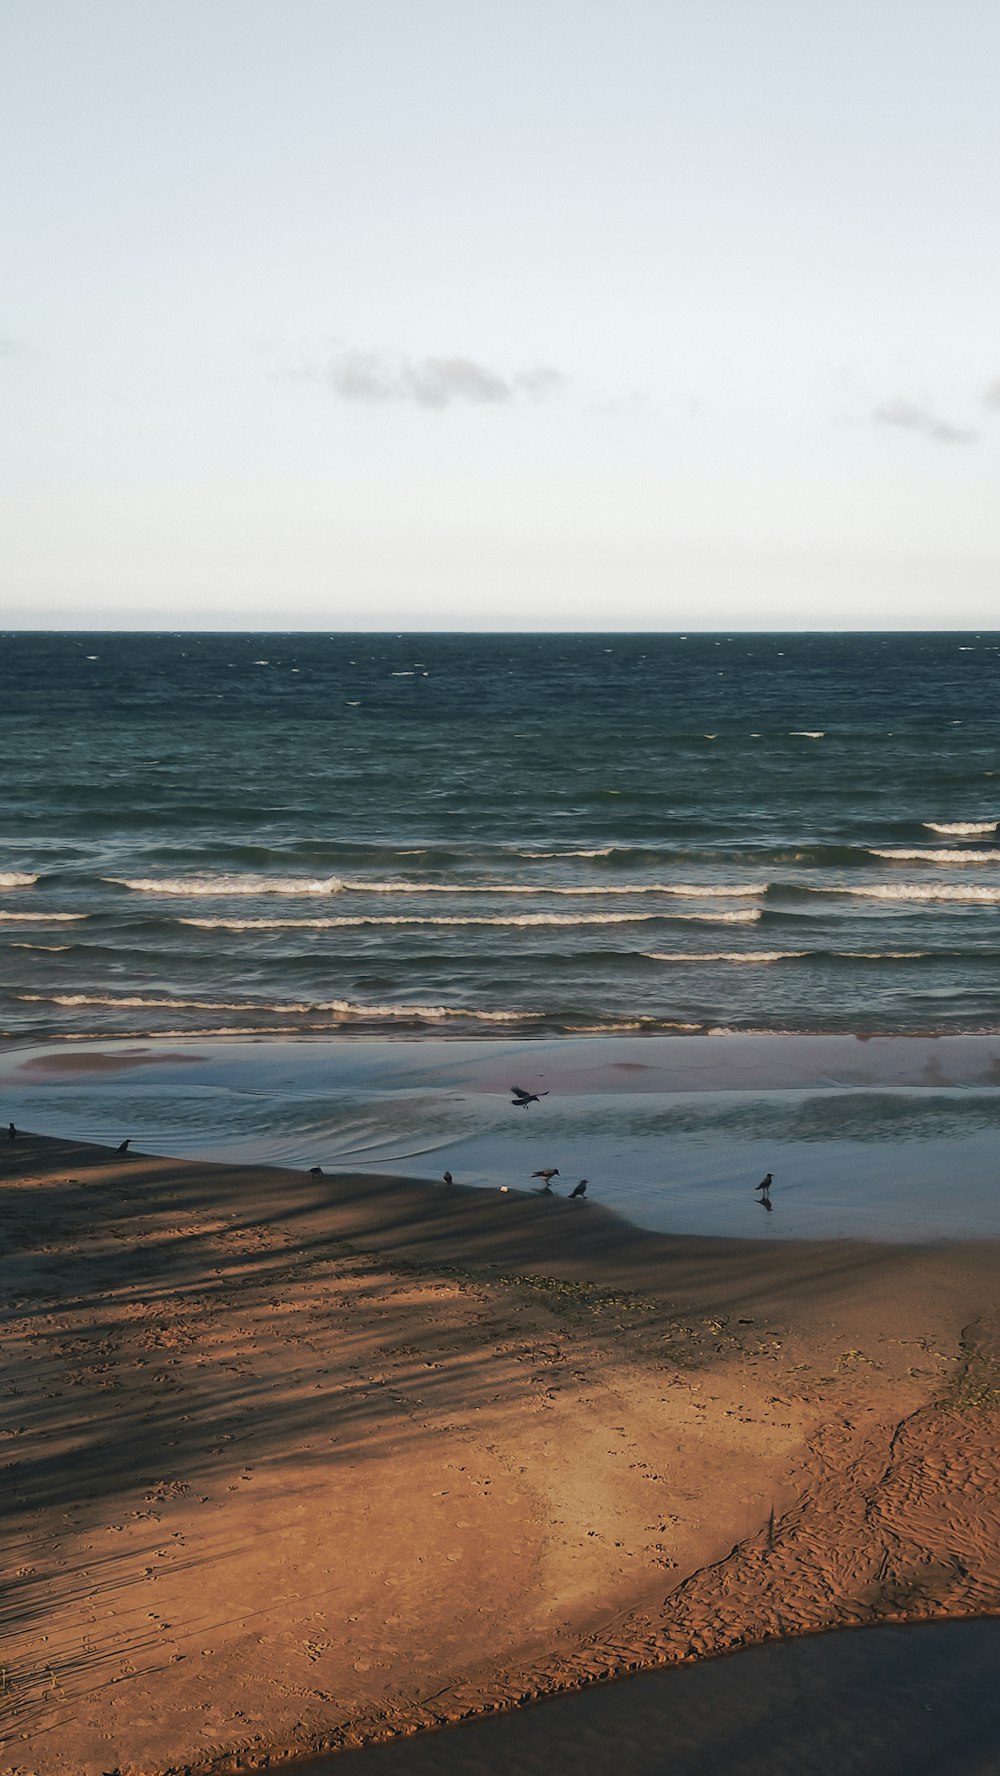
[807,734]
[600,851]
[7,918]
[16,879]
[915,891]
[724,955]
[961,829]
[338,1007]
[209,885]
[233,885]
[52,948]
[939,856]
[743,917]
[338,923]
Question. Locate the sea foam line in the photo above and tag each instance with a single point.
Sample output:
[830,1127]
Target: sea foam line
[961,829]
[724,955]
[938,856]
[7,918]
[339,1007]
[16,879]
[341,922]
[288,885]
[915,891]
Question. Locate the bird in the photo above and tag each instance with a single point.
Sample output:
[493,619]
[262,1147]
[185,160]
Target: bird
[123,1145]
[523,1098]
[11,1132]
[547,1176]
[448,1179]
[765,1183]
[581,1189]
[315,1171]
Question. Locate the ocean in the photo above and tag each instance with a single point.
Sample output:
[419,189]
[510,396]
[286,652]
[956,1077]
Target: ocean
[259,839]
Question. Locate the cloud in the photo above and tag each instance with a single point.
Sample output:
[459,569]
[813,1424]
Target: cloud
[911,418]
[375,377]
[991,397]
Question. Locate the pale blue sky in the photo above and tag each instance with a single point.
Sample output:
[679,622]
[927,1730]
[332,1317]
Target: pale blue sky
[460,314]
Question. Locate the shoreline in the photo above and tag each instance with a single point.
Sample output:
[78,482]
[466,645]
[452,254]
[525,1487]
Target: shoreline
[297,1463]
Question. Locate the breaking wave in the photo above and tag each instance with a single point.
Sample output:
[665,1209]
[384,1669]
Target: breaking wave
[16,879]
[961,829]
[901,856]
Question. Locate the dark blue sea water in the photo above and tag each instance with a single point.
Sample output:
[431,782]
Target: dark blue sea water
[517,835]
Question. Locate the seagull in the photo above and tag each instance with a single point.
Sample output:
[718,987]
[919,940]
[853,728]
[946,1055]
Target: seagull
[123,1145]
[523,1098]
[315,1171]
[581,1189]
[448,1179]
[547,1177]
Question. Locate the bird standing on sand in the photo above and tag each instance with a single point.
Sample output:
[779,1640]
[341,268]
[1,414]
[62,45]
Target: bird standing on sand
[315,1171]
[523,1098]
[581,1189]
[11,1132]
[766,1182]
[765,1193]
[123,1145]
[547,1176]
[448,1179]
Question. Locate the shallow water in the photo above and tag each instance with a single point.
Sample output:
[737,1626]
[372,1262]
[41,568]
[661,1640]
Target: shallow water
[880,1139]
[920,1701]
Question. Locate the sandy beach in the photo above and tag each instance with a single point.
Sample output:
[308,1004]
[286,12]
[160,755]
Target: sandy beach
[292,1464]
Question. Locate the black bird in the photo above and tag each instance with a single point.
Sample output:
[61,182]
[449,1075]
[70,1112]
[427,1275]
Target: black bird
[11,1132]
[448,1179]
[765,1183]
[315,1171]
[123,1145]
[581,1189]
[523,1098]
[547,1177]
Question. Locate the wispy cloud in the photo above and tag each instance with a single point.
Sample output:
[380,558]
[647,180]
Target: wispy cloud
[375,377]
[910,417]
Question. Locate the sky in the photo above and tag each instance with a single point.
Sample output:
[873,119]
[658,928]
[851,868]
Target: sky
[517,314]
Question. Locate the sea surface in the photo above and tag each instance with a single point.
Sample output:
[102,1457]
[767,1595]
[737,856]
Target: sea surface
[322,899]
[515,834]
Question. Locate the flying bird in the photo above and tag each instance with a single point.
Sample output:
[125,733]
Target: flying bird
[123,1145]
[523,1098]
[581,1189]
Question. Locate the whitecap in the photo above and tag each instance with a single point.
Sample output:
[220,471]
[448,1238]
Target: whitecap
[7,918]
[938,856]
[753,956]
[199,886]
[16,879]
[807,733]
[914,891]
[371,919]
[961,829]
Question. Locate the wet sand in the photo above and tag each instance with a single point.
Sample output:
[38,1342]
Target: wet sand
[290,1464]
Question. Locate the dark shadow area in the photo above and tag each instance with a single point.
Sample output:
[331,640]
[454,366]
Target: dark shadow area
[920,1701]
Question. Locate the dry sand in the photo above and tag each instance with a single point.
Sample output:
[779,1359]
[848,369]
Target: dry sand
[290,1463]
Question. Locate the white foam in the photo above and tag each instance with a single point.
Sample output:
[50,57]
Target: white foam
[939,856]
[199,886]
[748,916]
[915,891]
[601,851]
[807,734]
[16,879]
[337,1007]
[7,918]
[52,948]
[291,885]
[420,919]
[723,955]
[961,829]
